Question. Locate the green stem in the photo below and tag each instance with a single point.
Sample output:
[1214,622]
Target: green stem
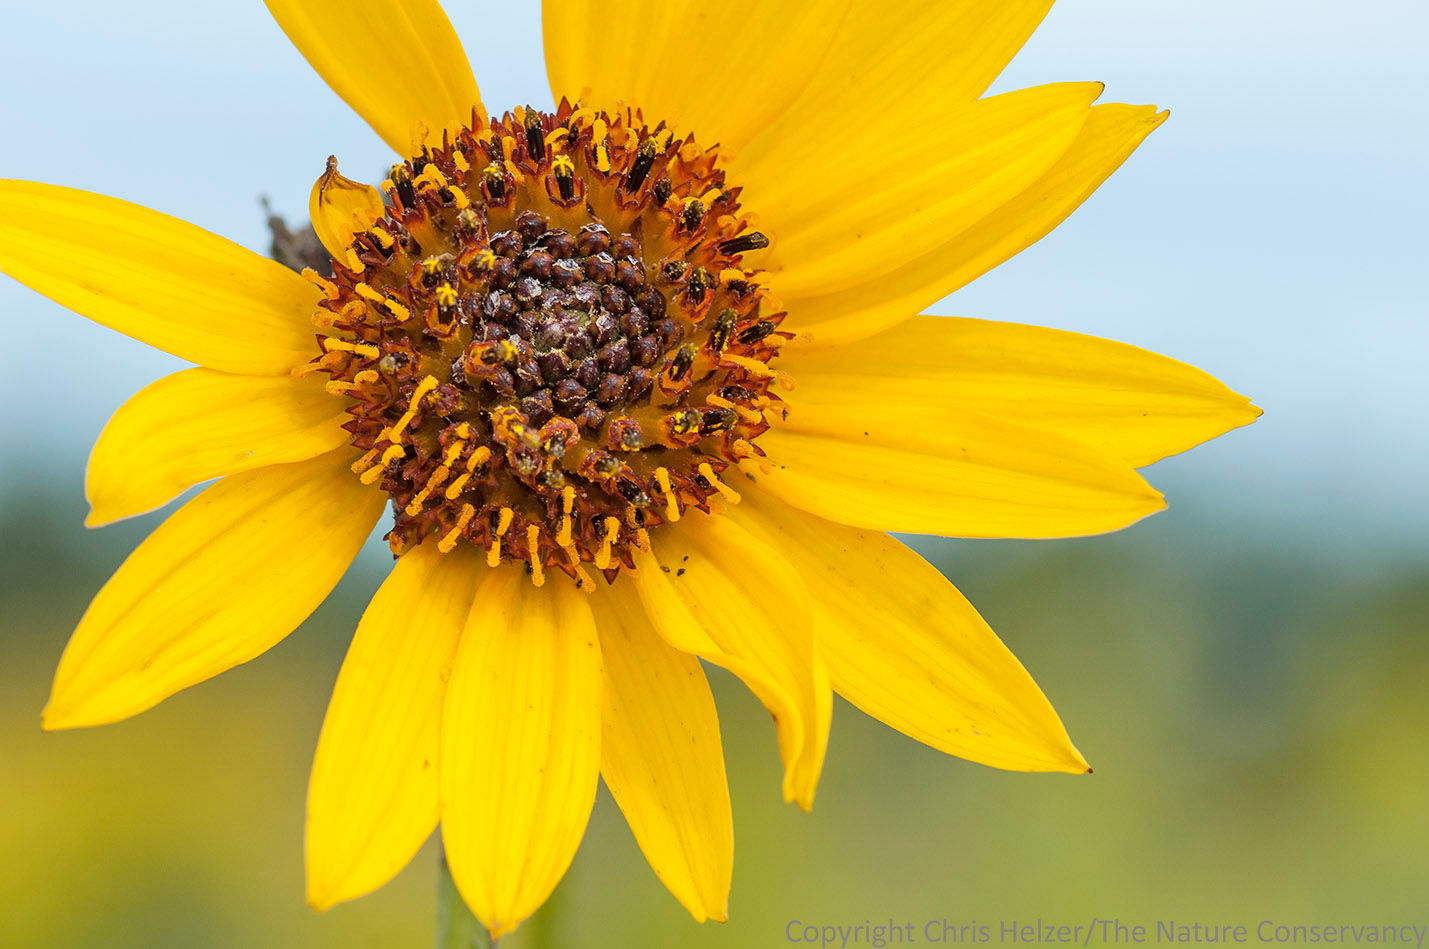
[457,928]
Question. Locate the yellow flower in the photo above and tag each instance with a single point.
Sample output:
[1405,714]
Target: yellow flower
[623,424]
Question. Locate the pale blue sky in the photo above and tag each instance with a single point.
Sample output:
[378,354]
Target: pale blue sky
[1271,232]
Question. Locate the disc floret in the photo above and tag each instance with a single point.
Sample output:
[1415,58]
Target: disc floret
[548,340]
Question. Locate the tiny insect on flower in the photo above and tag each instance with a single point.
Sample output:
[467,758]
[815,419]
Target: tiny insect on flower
[645,381]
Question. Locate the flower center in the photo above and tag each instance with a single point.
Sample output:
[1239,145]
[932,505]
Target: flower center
[548,340]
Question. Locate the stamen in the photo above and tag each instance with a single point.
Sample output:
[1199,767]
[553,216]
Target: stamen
[728,493]
[365,350]
[533,534]
[426,386]
[672,503]
[744,242]
[328,288]
[396,309]
[568,499]
[458,484]
[448,543]
[752,366]
[612,531]
[437,479]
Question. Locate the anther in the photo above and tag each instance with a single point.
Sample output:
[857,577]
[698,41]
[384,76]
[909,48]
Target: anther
[564,169]
[640,167]
[756,332]
[723,329]
[535,139]
[692,215]
[494,177]
[681,362]
[744,242]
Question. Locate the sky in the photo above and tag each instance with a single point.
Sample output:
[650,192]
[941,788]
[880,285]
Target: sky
[1270,233]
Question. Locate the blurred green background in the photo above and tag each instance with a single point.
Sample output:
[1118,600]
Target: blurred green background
[1254,710]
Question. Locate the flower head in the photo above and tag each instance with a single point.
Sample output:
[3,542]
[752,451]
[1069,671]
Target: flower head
[644,382]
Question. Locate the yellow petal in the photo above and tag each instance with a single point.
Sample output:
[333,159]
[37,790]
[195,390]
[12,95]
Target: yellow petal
[948,175]
[372,800]
[156,278]
[895,61]
[222,580]
[722,76]
[716,591]
[1126,401]
[520,749]
[340,207]
[906,647]
[937,268]
[913,468]
[395,62]
[661,756]
[200,424]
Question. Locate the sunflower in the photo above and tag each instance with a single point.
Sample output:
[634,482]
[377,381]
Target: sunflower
[644,382]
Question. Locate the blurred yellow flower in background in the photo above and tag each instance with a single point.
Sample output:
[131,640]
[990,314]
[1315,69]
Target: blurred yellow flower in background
[645,382]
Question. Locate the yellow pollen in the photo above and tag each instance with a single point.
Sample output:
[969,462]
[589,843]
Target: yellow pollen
[431,177]
[749,415]
[478,458]
[425,386]
[743,450]
[430,265]
[672,504]
[328,288]
[398,310]
[448,543]
[363,463]
[728,493]
[642,539]
[602,159]
[533,550]
[753,366]
[367,377]
[354,263]
[455,488]
[568,500]
[365,350]
[435,481]
[446,295]
[381,238]
[612,531]
[459,159]
[338,387]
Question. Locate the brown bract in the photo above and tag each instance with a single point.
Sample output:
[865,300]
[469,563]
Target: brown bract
[548,340]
